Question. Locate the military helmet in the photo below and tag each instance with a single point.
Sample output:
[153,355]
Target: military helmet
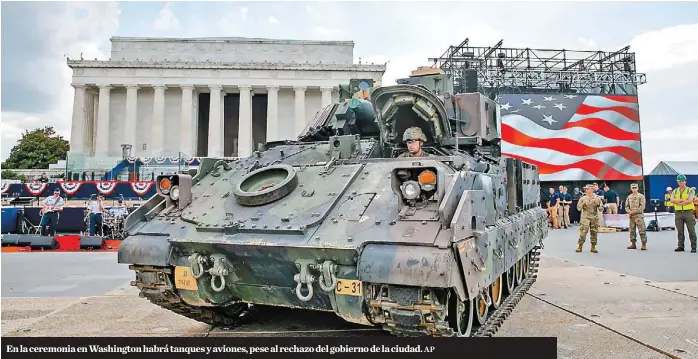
[680,178]
[414,133]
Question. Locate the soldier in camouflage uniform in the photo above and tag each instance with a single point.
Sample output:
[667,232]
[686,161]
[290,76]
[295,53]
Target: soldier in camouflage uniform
[635,206]
[589,206]
[414,139]
[600,193]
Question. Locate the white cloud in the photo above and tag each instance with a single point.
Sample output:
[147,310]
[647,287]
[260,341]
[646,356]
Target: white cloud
[327,31]
[400,66]
[669,56]
[243,12]
[587,44]
[272,20]
[666,47]
[69,36]
[166,20]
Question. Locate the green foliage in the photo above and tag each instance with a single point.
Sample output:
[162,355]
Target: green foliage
[9,175]
[37,149]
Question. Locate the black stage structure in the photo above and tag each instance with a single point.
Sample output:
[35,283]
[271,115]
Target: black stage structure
[498,70]
[495,70]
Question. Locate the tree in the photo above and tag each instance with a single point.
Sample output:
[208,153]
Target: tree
[9,175]
[37,149]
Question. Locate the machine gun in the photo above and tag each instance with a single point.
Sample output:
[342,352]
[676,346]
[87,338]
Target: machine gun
[352,115]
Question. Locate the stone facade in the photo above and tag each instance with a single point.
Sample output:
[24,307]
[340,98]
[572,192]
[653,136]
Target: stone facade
[147,94]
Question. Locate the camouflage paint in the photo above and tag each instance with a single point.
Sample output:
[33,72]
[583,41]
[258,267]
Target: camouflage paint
[343,218]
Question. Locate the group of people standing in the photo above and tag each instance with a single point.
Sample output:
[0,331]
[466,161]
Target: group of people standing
[681,201]
[559,204]
[591,206]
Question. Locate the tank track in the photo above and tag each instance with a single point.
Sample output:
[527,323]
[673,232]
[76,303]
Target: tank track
[495,318]
[156,285]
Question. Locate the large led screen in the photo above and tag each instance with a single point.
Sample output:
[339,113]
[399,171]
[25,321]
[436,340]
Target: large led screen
[574,137]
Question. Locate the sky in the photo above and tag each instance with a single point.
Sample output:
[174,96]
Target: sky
[37,37]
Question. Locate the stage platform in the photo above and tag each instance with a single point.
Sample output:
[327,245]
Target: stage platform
[61,243]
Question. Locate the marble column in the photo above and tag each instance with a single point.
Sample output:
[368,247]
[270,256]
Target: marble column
[102,138]
[326,96]
[130,127]
[215,122]
[186,126]
[245,141]
[299,111]
[78,128]
[88,146]
[158,133]
[93,111]
[272,113]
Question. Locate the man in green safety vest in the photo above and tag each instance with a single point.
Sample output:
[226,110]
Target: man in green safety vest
[682,198]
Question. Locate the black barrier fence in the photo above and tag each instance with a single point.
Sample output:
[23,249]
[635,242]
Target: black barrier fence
[279,347]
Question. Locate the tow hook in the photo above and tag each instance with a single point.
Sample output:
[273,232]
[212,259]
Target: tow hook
[326,277]
[304,277]
[197,261]
[328,281]
[221,268]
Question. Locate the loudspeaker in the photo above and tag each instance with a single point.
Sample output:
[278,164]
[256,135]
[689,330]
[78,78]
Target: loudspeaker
[470,76]
[91,242]
[43,242]
[20,240]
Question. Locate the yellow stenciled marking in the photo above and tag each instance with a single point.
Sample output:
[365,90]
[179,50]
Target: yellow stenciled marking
[184,279]
[349,287]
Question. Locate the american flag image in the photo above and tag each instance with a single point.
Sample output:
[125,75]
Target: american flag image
[574,137]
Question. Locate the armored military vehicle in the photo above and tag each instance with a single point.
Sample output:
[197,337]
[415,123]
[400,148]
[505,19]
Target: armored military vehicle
[444,245]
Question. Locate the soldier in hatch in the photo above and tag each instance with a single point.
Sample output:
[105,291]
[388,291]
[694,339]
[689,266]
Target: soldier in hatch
[635,206]
[414,139]
[589,206]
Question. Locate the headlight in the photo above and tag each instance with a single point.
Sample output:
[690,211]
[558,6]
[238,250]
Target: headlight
[174,193]
[410,189]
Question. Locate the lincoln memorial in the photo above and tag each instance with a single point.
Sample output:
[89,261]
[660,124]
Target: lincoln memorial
[205,97]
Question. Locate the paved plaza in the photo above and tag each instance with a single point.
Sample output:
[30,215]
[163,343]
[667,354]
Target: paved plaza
[618,303]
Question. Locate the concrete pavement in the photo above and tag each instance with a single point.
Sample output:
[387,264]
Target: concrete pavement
[618,303]
[658,263]
[61,274]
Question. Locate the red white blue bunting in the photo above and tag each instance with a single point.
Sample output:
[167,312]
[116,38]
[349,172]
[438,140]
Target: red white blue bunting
[191,160]
[131,159]
[36,188]
[5,187]
[70,187]
[106,187]
[141,188]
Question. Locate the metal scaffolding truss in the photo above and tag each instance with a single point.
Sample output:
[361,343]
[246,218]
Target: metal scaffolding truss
[498,69]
